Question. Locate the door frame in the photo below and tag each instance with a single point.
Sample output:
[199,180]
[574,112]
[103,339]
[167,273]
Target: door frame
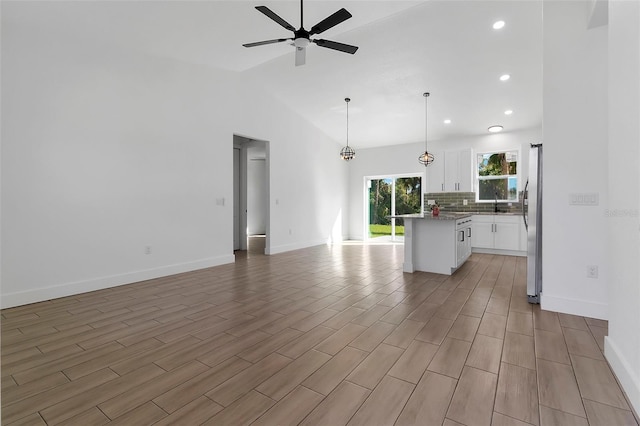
[243,143]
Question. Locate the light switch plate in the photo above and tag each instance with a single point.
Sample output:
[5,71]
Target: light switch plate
[584,199]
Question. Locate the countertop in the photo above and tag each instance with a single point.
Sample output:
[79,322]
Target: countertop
[447,215]
[429,216]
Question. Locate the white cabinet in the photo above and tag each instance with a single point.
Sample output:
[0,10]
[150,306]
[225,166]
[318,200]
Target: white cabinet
[483,231]
[497,232]
[463,240]
[450,172]
[438,245]
[523,236]
[457,171]
[435,173]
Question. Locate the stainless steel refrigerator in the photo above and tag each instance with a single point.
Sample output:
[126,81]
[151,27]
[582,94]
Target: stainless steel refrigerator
[532,215]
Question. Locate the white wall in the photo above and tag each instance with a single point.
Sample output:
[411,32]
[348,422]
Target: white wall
[401,159]
[622,345]
[575,160]
[106,152]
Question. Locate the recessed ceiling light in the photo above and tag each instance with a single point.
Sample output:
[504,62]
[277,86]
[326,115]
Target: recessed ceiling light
[447,121]
[498,25]
[508,112]
[495,129]
[505,77]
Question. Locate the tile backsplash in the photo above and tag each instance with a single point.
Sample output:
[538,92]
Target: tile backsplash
[454,202]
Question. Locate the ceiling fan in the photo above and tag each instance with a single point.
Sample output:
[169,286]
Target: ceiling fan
[302,38]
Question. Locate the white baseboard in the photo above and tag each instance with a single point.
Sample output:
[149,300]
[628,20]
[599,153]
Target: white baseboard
[68,289]
[629,379]
[574,306]
[501,252]
[289,247]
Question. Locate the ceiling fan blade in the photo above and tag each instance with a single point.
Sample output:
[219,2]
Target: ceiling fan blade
[260,43]
[301,56]
[271,14]
[347,48]
[333,20]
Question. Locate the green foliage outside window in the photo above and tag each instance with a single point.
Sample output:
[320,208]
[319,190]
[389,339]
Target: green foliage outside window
[497,175]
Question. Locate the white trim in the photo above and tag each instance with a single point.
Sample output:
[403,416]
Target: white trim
[69,289]
[519,253]
[624,372]
[573,306]
[296,246]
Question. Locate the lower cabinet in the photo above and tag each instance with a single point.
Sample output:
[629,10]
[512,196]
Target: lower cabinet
[463,241]
[497,232]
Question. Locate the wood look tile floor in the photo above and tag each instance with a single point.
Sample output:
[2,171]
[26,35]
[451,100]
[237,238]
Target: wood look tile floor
[320,336]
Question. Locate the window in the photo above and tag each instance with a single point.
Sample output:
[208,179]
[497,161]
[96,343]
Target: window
[497,176]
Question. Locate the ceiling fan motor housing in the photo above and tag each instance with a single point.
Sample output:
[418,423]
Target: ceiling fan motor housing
[301,38]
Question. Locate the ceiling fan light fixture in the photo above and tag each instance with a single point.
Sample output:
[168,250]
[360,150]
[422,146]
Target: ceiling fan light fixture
[426,157]
[495,128]
[301,42]
[347,153]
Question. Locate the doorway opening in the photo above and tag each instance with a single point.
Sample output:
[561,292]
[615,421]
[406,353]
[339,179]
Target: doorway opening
[251,196]
[388,196]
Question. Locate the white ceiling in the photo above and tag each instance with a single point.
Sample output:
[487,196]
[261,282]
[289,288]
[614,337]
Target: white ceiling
[445,47]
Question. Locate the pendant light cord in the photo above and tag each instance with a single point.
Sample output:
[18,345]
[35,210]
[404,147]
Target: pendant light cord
[347,101]
[426,95]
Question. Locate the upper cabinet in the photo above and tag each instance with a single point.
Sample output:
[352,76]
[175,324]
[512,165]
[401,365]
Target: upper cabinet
[435,173]
[450,172]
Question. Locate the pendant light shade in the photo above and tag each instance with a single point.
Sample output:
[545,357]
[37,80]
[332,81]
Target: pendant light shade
[347,153]
[426,157]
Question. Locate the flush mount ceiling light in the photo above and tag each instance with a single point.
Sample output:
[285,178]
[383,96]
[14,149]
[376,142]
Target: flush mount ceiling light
[505,77]
[347,153]
[498,25]
[447,121]
[426,157]
[508,112]
[495,129]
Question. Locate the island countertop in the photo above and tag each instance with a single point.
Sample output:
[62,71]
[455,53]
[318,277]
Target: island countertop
[441,216]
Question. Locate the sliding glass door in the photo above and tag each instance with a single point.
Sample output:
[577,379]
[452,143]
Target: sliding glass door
[387,196]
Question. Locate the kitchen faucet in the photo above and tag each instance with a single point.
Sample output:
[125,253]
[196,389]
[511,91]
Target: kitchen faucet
[495,202]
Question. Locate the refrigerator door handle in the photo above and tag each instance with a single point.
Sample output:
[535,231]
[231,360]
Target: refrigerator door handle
[524,214]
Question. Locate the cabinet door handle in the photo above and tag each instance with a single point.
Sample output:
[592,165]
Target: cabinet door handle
[462,235]
[442,186]
[468,232]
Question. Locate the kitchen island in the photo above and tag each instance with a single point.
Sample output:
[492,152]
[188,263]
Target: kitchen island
[439,244]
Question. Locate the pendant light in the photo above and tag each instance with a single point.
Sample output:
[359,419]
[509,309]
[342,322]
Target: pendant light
[426,157]
[347,153]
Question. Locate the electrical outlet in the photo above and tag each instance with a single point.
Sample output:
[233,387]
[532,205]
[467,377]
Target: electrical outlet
[431,202]
[465,202]
[592,271]
[147,250]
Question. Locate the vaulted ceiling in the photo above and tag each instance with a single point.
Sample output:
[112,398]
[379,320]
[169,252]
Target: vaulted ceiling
[446,47]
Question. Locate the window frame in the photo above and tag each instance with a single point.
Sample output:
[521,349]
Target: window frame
[516,176]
